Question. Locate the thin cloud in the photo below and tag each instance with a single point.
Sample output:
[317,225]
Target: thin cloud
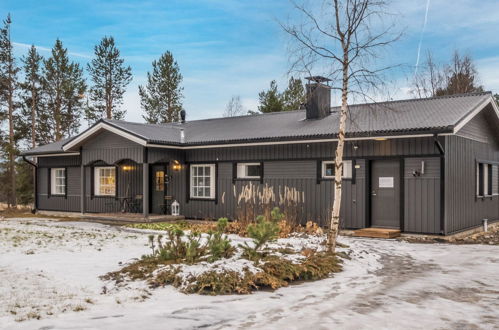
[45,49]
[421,36]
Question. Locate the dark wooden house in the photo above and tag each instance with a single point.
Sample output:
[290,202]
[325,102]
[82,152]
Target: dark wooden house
[422,165]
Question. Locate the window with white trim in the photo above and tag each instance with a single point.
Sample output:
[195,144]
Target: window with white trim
[202,181]
[249,170]
[495,180]
[105,181]
[58,181]
[485,176]
[328,169]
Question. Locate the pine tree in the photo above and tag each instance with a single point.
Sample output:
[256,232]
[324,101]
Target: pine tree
[32,98]
[109,77]
[64,87]
[294,96]
[161,97]
[8,85]
[271,100]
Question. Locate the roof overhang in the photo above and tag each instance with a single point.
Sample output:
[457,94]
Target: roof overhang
[301,141]
[98,128]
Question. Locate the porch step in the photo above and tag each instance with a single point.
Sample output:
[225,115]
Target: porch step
[377,233]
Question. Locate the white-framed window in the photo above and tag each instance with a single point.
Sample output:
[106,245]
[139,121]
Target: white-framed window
[328,169]
[486,179]
[105,181]
[249,170]
[495,180]
[202,181]
[58,181]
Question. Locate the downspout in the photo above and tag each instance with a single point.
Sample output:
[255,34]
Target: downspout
[441,150]
[35,183]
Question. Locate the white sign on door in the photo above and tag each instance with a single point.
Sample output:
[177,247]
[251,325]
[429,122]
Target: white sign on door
[386,182]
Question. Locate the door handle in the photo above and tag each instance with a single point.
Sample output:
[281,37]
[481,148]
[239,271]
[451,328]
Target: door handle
[374,192]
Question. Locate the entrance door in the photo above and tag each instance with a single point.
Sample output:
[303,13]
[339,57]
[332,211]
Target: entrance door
[385,193]
[158,188]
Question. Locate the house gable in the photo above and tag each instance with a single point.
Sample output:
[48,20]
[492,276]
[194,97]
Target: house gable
[110,148]
[483,127]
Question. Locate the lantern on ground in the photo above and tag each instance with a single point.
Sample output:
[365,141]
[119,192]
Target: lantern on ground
[175,208]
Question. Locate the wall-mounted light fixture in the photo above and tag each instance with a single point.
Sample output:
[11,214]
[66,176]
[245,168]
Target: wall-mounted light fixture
[355,147]
[381,139]
[176,165]
[127,167]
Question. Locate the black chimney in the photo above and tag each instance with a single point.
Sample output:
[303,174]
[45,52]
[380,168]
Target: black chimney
[182,116]
[318,103]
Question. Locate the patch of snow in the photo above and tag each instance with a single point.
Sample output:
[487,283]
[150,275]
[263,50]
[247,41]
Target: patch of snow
[385,284]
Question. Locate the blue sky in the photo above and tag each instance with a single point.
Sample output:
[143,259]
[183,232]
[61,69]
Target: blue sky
[236,47]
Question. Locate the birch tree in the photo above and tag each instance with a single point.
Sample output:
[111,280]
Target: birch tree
[234,107]
[343,38]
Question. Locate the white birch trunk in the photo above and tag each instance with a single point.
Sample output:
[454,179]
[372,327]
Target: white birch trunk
[338,162]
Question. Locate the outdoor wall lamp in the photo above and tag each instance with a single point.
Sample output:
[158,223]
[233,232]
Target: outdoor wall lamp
[176,165]
[127,168]
[381,139]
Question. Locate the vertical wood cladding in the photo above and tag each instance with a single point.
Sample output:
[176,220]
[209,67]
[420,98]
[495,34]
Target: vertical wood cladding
[463,209]
[290,180]
[422,196]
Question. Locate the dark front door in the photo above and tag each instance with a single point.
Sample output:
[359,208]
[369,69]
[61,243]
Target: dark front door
[385,193]
[158,188]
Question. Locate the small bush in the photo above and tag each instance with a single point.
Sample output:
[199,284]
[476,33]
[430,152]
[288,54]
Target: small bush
[276,215]
[218,244]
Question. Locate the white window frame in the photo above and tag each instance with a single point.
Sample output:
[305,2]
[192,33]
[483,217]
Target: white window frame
[97,184]
[242,171]
[495,168]
[57,189]
[347,169]
[193,191]
[486,191]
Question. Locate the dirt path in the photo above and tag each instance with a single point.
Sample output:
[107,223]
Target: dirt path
[387,285]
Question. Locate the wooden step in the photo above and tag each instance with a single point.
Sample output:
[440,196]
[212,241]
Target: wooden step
[377,232]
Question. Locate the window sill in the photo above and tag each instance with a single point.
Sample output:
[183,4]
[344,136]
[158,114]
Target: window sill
[201,199]
[486,197]
[247,179]
[332,179]
[104,196]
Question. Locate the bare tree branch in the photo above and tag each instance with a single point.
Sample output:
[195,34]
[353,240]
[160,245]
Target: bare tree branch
[342,37]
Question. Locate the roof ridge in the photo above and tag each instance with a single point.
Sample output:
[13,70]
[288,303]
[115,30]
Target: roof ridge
[250,115]
[422,99]
[137,123]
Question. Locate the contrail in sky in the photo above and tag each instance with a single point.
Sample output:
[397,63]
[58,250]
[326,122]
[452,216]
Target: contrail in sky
[45,49]
[421,36]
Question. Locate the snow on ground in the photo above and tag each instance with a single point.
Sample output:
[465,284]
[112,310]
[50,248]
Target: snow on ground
[50,270]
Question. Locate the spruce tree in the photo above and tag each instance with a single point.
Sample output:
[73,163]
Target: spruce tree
[110,77]
[161,98]
[8,86]
[64,87]
[294,96]
[271,100]
[31,123]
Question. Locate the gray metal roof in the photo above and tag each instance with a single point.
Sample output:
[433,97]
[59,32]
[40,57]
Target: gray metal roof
[404,117]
